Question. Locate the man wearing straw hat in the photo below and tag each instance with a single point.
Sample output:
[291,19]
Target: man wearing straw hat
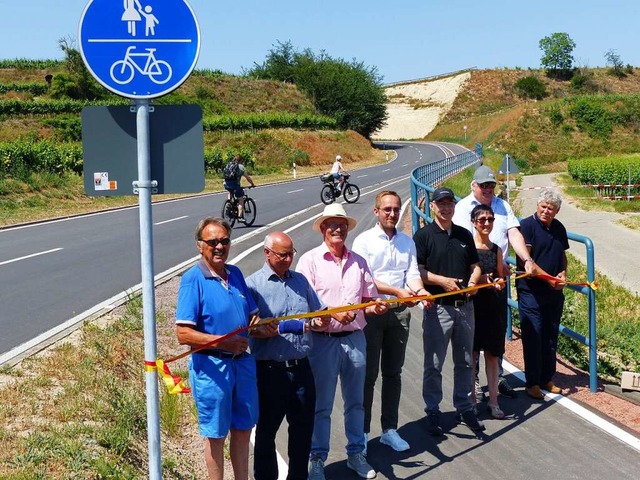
[340,277]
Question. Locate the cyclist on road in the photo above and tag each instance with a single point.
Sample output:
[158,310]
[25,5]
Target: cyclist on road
[232,183]
[338,171]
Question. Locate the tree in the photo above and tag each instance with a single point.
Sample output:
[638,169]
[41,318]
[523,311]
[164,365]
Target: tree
[616,63]
[557,58]
[77,83]
[350,92]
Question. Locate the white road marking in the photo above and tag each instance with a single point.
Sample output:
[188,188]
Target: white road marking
[30,256]
[295,191]
[591,417]
[386,170]
[362,176]
[172,220]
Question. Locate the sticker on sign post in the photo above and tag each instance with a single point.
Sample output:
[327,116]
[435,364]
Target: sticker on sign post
[139,48]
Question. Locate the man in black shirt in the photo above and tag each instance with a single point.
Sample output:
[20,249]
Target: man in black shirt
[448,260]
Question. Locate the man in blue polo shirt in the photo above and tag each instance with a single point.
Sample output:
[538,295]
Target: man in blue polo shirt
[540,301]
[214,300]
[448,260]
[285,381]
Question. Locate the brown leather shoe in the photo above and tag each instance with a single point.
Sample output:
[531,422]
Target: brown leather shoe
[551,388]
[535,392]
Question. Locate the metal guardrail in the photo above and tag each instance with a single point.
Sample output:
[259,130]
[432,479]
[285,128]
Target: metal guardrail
[434,77]
[425,178]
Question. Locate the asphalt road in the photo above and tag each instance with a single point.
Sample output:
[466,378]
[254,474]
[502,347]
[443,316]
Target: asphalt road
[90,259]
[55,272]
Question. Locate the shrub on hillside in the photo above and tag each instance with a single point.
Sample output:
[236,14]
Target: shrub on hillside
[350,92]
[591,117]
[531,87]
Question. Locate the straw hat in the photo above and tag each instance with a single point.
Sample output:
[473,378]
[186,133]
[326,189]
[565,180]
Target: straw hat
[334,210]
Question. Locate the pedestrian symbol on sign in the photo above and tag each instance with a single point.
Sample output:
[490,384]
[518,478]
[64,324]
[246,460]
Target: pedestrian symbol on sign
[139,48]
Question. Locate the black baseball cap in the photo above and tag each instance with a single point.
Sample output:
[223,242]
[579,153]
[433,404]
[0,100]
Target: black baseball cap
[442,193]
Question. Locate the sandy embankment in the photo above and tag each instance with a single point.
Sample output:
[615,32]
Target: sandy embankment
[415,109]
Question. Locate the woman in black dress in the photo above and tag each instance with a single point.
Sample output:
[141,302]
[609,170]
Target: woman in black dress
[490,323]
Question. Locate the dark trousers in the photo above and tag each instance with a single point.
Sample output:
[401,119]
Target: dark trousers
[540,322]
[387,337]
[284,392]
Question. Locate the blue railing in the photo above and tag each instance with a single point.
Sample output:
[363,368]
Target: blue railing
[424,179]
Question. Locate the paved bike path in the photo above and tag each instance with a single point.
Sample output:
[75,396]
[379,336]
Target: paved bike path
[614,244]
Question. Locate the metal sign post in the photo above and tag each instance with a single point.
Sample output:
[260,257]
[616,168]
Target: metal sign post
[142,52]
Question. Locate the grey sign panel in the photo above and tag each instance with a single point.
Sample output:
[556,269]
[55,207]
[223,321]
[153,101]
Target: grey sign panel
[109,143]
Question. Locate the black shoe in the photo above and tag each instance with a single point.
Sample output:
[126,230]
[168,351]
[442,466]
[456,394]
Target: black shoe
[505,389]
[470,419]
[433,424]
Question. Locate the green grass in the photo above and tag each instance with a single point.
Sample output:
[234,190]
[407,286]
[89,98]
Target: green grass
[80,409]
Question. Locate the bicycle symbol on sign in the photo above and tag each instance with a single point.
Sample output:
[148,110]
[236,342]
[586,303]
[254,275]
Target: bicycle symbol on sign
[158,71]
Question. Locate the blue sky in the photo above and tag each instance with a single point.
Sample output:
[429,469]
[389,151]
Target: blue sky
[403,39]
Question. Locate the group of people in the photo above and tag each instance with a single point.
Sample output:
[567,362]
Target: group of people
[293,366]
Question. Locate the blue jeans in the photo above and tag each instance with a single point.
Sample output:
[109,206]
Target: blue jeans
[441,324]
[540,322]
[330,358]
[387,337]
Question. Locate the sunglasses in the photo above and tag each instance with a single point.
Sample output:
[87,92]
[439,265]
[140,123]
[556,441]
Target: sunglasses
[284,255]
[485,220]
[212,242]
[337,225]
[487,185]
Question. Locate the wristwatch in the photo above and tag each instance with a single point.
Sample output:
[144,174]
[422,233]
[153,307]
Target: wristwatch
[529,260]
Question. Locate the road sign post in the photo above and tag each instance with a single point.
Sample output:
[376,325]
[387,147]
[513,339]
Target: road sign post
[142,53]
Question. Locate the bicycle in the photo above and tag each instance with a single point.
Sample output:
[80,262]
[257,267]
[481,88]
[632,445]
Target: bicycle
[230,209]
[331,191]
[158,71]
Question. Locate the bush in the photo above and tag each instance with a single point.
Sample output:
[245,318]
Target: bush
[592,117]
[531,87]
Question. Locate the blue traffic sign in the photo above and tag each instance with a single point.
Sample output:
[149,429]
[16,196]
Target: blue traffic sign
[139,48]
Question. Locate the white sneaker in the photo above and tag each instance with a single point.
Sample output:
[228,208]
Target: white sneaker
[395,441]
[366,442]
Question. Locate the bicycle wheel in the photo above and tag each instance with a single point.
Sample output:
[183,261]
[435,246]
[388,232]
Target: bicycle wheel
[326,194]
[160,72]
[351,193]
[249,211]
[229,212]
[121,72]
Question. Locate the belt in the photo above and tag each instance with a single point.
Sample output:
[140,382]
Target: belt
[285,364]
[453,302]
[334,334]
[221,353]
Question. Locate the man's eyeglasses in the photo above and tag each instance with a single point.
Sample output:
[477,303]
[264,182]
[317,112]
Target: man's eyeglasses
[337,225]
[487,185]
[388,210]
[485,220]
[284,255]
[212,242]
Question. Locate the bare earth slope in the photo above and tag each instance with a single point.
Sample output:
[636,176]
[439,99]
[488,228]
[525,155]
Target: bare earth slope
[415,109]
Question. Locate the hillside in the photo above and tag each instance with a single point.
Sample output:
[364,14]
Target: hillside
[233,107]
[600,118]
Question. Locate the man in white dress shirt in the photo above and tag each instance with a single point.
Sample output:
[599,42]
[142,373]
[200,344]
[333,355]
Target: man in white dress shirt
[391,256]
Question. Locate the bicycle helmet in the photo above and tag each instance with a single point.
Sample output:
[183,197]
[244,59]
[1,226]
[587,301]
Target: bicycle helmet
[338,158]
